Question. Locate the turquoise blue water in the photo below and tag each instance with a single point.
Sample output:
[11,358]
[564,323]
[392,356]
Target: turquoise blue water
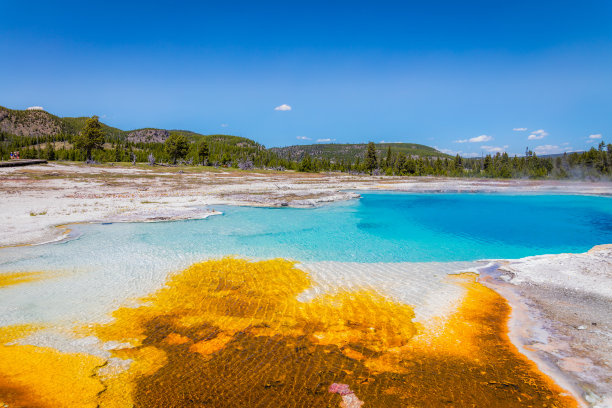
[390,227]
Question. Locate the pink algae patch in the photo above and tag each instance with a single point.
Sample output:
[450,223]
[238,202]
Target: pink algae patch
[349,399]
[342,389]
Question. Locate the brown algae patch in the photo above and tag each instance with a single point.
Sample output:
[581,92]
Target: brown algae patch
[231,332]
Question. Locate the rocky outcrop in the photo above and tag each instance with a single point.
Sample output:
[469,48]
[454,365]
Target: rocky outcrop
[148,136]
[29,122]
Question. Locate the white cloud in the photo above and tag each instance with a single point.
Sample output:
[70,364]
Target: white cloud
[283,107]
[547,149]
[477,139]
[494,149]
[456,152]
[224,125]
[325,140]
[445,151]
[302,138]
[566,143]
[35,108]
[519,129]
[481,138]
[597,136]
[537,134]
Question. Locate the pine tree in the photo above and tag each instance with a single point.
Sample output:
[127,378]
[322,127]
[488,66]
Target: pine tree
[117,152]
[91,137]
[50,152]
[371,162]
[203,151]
[306,164]
[388,160]
[176,146]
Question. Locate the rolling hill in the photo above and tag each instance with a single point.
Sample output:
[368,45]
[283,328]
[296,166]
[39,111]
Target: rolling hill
[348,152]
[39,123]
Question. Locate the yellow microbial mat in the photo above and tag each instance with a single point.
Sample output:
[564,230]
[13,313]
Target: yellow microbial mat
[231,333]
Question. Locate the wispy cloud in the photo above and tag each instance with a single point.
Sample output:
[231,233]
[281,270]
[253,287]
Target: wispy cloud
[224,125]
[538,134]
[597,136]
[302,138]
[283,107]
[477,139]
[548,149]
[519,129]
[325,140]
[494,149]
[456,152]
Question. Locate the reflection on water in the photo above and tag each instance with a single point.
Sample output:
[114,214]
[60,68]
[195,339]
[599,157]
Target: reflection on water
[231,332]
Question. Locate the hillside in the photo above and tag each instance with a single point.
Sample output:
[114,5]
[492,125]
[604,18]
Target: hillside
[30,122]
[349,152]
[39,123]
[237,141]
[73,126]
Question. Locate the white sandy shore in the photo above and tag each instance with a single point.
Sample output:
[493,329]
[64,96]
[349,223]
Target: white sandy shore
[562,317]
[35,199]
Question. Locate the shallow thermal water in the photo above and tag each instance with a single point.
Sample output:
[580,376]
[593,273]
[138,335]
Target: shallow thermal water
[108,263]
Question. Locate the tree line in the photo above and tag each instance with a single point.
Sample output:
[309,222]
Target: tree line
[92,144]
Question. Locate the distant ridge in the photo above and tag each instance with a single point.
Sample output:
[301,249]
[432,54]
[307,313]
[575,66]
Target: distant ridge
[40,123]
[349,151]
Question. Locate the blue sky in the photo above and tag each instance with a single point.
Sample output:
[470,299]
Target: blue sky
[458,75]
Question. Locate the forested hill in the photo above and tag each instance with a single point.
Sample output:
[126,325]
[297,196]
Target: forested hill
[41,125]
[350,152]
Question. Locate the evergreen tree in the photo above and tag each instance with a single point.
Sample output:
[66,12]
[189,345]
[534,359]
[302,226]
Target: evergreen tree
[91,138]
[203,151]
[371,162]
[176,146]
[50,152]
[117,152]
[458,163]
[306,164]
